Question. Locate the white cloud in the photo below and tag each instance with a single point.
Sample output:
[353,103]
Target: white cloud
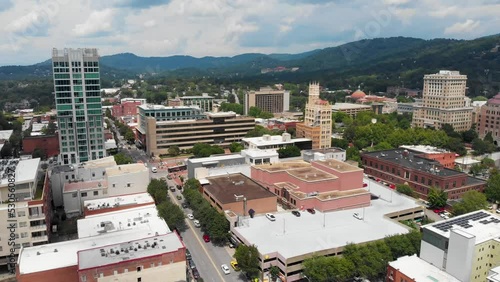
[29,24]
[404,14]
[395,2]
[150,23]
[97,22]
[442,12]
[465,27]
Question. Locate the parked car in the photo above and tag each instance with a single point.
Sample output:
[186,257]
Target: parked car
[184,206]
[296,213]
[206,238]
[443,215]
[225,269]
[172,188]
[188,254]
[190,216]
[179,197]
[311,211]
[154,170]
[196,223]
[356,215]
[196,274]
[270,216]
[191,264]
[438,210]
[365,184]
[234,265]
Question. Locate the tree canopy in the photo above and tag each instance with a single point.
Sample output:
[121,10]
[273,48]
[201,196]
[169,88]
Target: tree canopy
[289,152]
[203,150]
[248,259]
[493,187]
[436,197]
[236,147]
[471,201]
[121,159]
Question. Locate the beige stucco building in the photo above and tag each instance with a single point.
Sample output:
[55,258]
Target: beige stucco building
[444,101]
[317,124]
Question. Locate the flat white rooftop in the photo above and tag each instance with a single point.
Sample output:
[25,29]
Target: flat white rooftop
[424,149]
[123,200]
[144,217]
[347,106]
[64,254]
[292,236]
[466,161]
[129,250]
[5,134]
[257,153]
[272,140]
[104,162]
[215,158]
[162,107]
[421,271]
[125,169]
[26,170]
[494,275]
[482,224]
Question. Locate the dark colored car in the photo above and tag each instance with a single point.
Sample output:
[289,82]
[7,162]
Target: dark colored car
[188,254]
[206,238]
[296,213]
[196,274]
[184,206]
[172,188]
[191,264]
[311,211]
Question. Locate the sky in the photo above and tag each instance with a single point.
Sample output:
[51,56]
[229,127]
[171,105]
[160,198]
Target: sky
[29,29]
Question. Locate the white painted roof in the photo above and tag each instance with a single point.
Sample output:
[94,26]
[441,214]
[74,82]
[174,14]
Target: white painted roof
[424,149]
[5,134]
[144,217]
[292,236]
[256,153]
[345,106]
[215,158]
[273,140]
[123,200]
[26,170]
[421,271]
[466,161]
[129,250]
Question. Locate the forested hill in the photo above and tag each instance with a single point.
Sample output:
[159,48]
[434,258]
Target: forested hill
[375,63]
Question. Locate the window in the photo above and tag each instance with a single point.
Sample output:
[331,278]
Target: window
[83,278]
[114,185]
[139,279]
[21,213]
[84,194]
[93,174]
[23,224]
[128,184]
[139,268]
[74,195]
[96,193]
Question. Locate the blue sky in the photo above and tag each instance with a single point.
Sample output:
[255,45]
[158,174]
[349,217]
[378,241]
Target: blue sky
[31,28]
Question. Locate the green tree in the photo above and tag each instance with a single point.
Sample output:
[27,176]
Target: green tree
[436,197]
[493,187]
[488,162]
[202,150]
[39,153]
[248,259]
[49,129]
[129,136]
[340,143]
[6,150]
[172,214]
[157,189]
[192,183]
[289,152]
[254,111]
[481,147]
[352,153]
[121,159]
[235,147]
[476,169]
[174,150]
[471,201]
[469,135]
[404,189]
[274,271]
[489,137]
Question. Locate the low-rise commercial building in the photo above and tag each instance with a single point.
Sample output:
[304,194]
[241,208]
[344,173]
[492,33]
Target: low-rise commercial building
[116,181]
[324,154]
[443,156]
[276,142]
[414,269]
[400,166]
[350,109]
[162,127]
[49,144]
[117,203]
[290,240]
[466,246]
[324,185]
[239,194]
[132,245]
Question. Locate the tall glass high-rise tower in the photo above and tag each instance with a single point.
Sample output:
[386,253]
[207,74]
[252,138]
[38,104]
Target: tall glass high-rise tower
[78,103]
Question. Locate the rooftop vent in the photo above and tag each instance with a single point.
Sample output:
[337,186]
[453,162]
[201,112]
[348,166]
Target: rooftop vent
[55,250]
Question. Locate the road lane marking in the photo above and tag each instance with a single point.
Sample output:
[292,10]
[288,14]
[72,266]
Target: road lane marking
[199,241]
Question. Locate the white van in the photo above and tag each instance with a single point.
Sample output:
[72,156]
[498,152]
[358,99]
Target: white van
[154,170]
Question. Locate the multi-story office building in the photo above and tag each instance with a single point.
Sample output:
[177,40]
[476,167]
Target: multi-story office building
[489,118]
[127,107]
[78,103]
[317,124]
[204,102]
[466,247]
[400,166]
[25,213]
[350,108]
[268,99]
[444,101]
[160,127]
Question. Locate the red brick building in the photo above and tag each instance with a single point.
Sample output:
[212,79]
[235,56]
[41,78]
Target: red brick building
[153,258]
[125,108]
[444,157]
[400,166]
[488,118]
[48,143]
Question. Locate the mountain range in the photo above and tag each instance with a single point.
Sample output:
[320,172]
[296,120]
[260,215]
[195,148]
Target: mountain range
[398,59]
